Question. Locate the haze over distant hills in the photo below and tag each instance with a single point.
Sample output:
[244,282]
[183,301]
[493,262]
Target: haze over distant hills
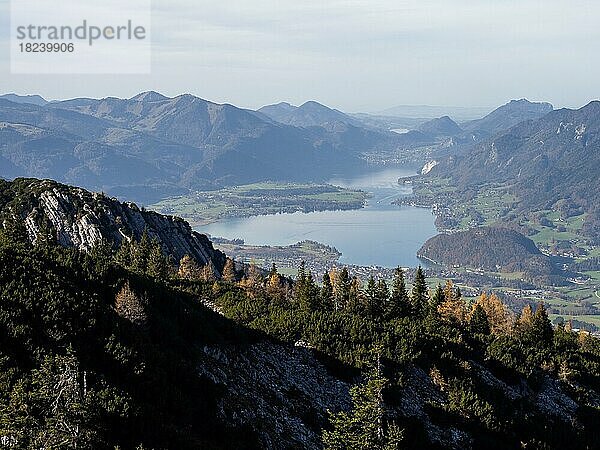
[508,115]
[442,126]
[309,114]
[33,99]
[151,146]
[459,113]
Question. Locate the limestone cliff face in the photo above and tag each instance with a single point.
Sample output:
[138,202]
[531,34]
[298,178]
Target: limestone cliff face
[78,218]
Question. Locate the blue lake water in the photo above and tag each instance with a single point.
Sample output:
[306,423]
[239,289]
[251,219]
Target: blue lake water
[380,234]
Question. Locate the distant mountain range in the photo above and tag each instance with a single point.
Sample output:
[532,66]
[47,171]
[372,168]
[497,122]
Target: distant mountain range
[151,146]
[442,126]
[548,163]
[309,114]
[459,113]
[33,99]
[508,115]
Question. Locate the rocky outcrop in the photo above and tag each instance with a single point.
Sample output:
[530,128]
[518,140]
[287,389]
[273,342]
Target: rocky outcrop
[281,392]
[81,219]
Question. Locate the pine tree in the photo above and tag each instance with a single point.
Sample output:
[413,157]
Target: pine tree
[399,302]
[141,253]
[306,292]
[381,299]
[363,428]
[478,322]
[124,253]
[59,392]
[273,270]
[312,292]
[371,296]
[355,296]
[541,327]
[301,277]
[158,264]
[419,294]
[436,300]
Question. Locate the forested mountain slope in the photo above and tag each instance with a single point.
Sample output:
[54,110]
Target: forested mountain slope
[549,163]
[117,347]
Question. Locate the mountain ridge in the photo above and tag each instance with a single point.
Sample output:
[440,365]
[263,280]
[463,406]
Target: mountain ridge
[548,163]
[173,144]
[84,220]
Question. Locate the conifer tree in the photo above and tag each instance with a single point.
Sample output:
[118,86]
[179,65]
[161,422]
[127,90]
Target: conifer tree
[141,253]
[436,300]
[478,322]
[124,253]
[355,296]
[273,270]
[45,236]
[130,306]
[525,321]
[305,289]
[497,313]
[541,327]
[399,302]
[274,288]
[252,281]
[158,264]
[371,296]
[15,230]
[453,308]
[207,272]
[301,277]
[312,292]
[419,295]
[364,427]
[342,289]
[381,299]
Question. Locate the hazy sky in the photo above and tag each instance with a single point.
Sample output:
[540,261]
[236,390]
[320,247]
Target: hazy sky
[356,55]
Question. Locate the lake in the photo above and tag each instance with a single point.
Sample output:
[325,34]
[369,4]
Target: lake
[380,234]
